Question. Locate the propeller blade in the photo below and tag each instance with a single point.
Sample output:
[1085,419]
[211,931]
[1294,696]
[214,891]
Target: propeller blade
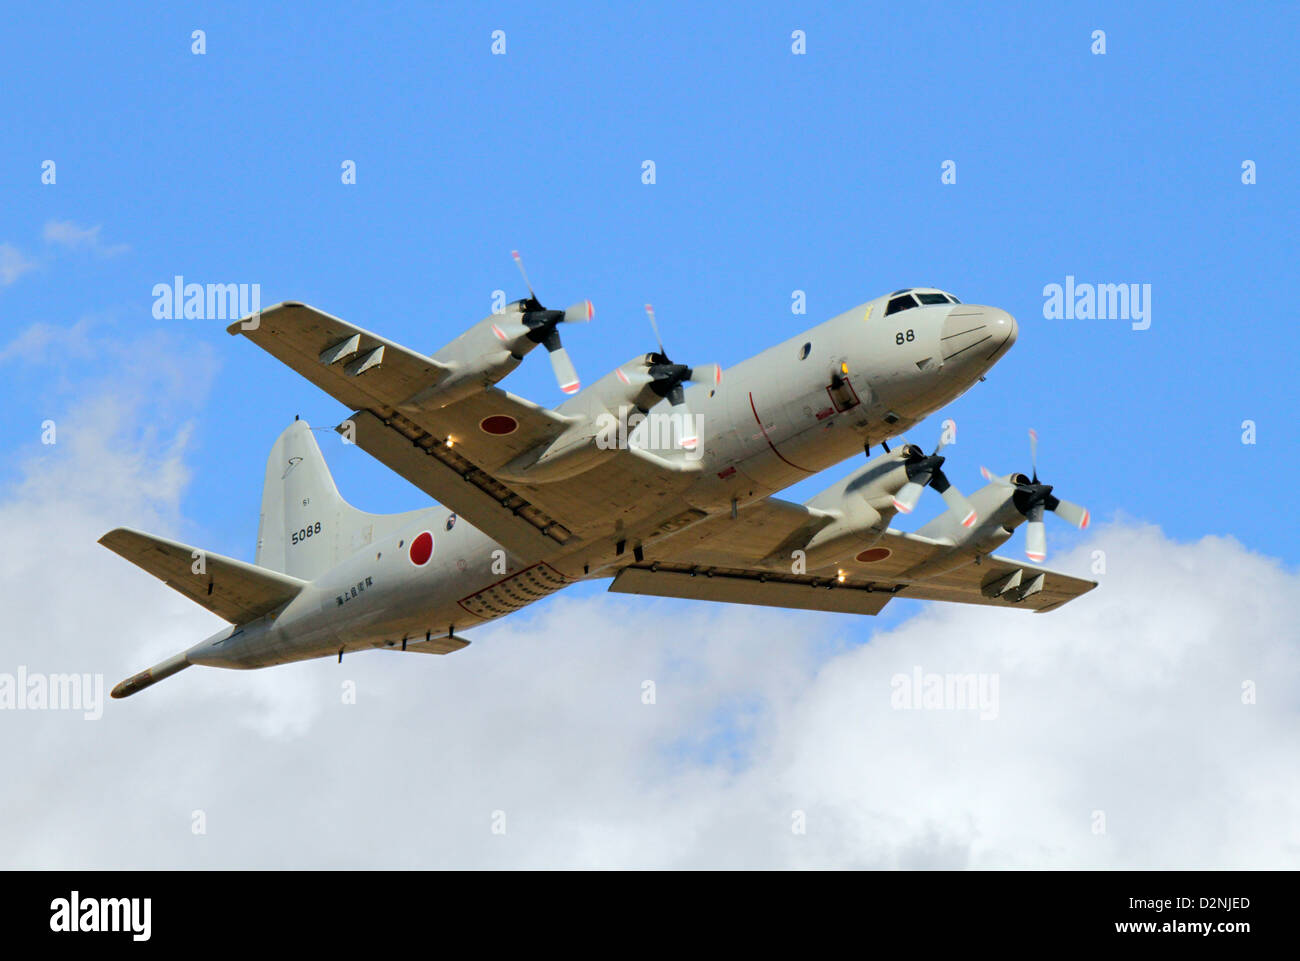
[905,500]
[633,378]
[650,312]
[956,501]
[580,313]
[677,396]
[1036,541]
[1033,452]
[509,333]
[959,505]
[1068,512]
[1036,535]
[994,479]
[707,374]
[566,375]
[520,264]
[684,430]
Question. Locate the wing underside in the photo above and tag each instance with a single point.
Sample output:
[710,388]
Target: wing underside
[748,560]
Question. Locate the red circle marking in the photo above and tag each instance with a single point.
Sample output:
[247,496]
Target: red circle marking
[499,424]
[421,548]
[874,554]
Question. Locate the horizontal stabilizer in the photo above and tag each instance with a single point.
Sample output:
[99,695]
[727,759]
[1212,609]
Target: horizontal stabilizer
[231,589]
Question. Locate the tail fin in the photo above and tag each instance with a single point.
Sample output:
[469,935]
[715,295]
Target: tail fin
[306,526]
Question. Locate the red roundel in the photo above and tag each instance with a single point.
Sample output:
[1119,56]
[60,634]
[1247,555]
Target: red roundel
[874,554]
[499,424]
[421,549]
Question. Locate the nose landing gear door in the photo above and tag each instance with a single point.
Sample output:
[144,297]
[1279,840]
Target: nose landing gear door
[840,389]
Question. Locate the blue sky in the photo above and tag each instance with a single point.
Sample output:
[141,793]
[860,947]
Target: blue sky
[775,172]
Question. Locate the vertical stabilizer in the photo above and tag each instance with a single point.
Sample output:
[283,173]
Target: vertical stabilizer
[306,527]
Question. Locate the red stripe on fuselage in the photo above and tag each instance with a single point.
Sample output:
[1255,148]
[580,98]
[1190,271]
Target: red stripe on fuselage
[759,421]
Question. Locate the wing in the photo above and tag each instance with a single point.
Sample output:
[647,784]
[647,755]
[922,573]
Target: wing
[384,382]
[231,589]
[737,561]
[992,580]
[749,586]
[354,366]
[747,560]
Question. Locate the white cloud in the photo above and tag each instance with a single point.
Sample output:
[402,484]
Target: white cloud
[41,341]
[65,233]
[13,264]
[1126,702]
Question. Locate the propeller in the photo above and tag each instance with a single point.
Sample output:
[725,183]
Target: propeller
[540,325]
[665,379]
[1032,498]
[927,471]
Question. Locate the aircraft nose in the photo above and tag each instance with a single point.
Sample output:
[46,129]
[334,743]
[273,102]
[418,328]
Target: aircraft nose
[972,332]
[1002,321]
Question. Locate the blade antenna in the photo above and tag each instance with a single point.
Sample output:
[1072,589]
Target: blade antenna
[523,273]
[650,312]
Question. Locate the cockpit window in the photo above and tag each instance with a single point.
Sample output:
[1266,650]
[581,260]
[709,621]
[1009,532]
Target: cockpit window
[953,299]
[933,298]
[905,302]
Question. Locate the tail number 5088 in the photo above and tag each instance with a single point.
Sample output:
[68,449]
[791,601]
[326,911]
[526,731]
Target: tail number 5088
[301,535]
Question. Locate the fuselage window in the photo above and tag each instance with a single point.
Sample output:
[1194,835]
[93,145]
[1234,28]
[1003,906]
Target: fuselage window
[805,350]
[932,298]
[900,303]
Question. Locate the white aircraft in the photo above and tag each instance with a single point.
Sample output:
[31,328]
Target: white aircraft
[664,487]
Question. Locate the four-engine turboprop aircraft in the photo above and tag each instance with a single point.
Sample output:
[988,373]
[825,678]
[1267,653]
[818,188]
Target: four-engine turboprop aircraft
[664,487]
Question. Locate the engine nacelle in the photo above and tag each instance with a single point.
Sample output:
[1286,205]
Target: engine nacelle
[857,526]
[480,357]
[574,452]
[860,507]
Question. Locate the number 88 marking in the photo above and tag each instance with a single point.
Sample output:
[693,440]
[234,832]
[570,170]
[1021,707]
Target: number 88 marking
[900,338]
